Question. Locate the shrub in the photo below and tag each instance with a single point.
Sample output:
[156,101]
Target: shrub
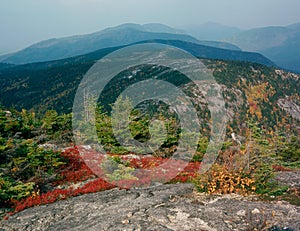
[116,169]
[220,180]
[34,163]
[290,151]
[13,190]
[75,170]
[60,194]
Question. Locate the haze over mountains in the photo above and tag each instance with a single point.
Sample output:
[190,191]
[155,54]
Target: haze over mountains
[281,44]
[211,31]
[278,43]
[125,34]
[63,62]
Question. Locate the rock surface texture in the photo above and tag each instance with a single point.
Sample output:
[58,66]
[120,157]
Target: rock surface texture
[291,179]
[166,207]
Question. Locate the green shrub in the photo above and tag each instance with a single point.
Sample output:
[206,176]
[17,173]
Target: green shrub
[33,161]
[11,189]
[290,151]
[116,169]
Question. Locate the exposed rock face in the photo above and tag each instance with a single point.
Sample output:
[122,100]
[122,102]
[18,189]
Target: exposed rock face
[166,207]
[291,179]
[290,107]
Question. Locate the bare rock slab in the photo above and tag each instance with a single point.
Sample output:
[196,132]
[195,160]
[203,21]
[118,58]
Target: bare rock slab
[166,207]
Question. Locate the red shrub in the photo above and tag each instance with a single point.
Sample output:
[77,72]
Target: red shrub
[149,169]
[280,168]
[61,194]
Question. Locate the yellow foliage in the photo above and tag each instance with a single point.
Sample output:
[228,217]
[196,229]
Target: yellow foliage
[256,94]
[35,193]
[219,180]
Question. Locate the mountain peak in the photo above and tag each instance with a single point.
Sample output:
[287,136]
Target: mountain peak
[59,48]
[149,27]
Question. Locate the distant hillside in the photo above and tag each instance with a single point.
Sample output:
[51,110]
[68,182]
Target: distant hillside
[5,65]
[268,95]
[211,31]
[150,27]
[197,50]
[218,44]
[207,52]
[77,45]
[55,49]
[161,28]
[20,86]
[280,44]
[260,38]
[287,54]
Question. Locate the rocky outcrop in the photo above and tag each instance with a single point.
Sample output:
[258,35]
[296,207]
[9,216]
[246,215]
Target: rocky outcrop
[291,179]
[166,207]
[290,107]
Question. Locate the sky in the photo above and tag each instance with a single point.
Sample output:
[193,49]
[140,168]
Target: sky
[24,22]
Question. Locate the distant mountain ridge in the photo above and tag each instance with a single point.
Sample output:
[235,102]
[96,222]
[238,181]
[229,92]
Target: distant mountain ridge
[77,45]
[20,85]
[211,31]
[281,44]
[260,38]
[149,27]
[54,49]
[207,52]
[198,50]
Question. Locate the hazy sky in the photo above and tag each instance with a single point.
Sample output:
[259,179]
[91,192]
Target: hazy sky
[23,22]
